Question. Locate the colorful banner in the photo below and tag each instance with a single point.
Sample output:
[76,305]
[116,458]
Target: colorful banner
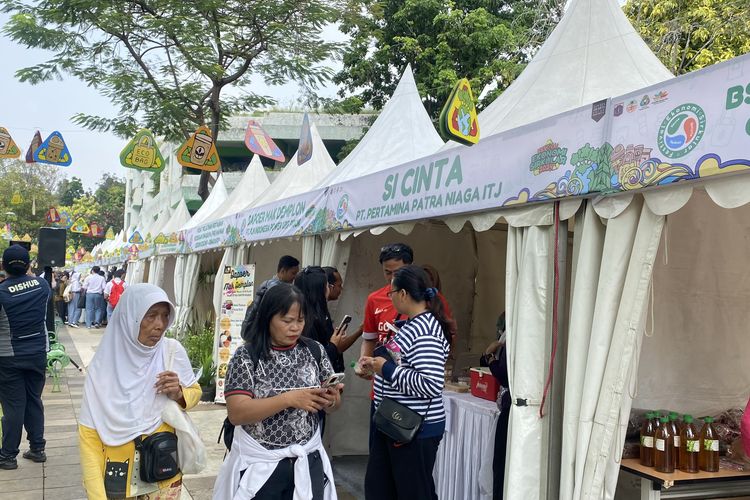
[199,151]
[260,143]
[238,291]
[305,151]
[458,119]
[52,216]
[80,226]
[53,151]
[8,147]
[142,153]
[36,141]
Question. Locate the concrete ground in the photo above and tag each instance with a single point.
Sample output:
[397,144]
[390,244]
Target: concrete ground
[60,477]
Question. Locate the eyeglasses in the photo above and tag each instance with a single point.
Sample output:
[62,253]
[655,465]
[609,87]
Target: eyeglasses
[395,248]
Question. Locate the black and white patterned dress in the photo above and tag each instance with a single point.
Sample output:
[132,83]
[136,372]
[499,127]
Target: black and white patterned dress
[287,369]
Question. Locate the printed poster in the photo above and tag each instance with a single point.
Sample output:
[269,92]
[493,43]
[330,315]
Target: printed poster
[238,291]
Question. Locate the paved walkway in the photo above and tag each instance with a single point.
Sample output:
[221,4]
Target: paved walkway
[60,477]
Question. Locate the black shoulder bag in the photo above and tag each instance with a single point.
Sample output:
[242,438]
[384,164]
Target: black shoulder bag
[158,456]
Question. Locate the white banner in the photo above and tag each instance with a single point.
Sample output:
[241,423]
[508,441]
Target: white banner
[238,291]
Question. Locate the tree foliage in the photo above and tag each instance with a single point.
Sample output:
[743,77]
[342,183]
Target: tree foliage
[691,34]
[70,190]
[166,64]
[487,41]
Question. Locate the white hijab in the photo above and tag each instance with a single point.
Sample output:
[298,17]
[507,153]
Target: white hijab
[119,398]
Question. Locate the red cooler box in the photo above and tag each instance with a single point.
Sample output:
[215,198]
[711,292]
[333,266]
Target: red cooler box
[483,384]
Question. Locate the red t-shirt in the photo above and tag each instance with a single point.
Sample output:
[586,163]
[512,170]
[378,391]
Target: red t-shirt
[379,310]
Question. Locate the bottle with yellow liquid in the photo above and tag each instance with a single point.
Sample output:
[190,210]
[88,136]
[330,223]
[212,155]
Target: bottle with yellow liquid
[709,456]
[675,427]
[664,447]
[647,441]
[689,446]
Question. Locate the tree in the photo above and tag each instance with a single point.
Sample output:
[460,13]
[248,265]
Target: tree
[70,190]
[484,40]
[88,208]
[37,185]
[110,194]
[167,63]
[688,34]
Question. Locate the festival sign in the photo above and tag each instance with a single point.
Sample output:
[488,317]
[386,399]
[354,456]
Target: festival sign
[96,230]
[52,215]
[36,141]
[8,147]
[305,151]
[65,219]
[80,226]
[54,151]
[260,143]
[458,119]
[161,239]
[237,293]
[16,199]
[142,153]
[110,234]
[199,151]
[136,238]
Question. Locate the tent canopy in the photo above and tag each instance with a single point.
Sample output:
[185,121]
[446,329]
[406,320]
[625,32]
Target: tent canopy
[253,183]
[216,199]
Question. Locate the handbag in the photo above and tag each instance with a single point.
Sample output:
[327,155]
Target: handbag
[397,421]
[191,450]
[158,454]
[81,300]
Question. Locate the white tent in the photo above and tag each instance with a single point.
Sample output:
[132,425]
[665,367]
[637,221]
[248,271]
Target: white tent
[156,269]
[215,199]
[253,183]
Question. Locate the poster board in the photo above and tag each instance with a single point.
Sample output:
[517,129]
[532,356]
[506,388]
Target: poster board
[237,293]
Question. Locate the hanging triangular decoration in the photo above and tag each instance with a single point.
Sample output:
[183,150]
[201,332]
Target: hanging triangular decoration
[142,153]
[136,238]
[52,216]
[36,141]
[458,119]
[26,238]
[161,239]
[8,147]
[110,234]
[53,151]
[96,230]
[65,219]
[16,199]
[199,151]
[260,143]
[305,150]
[80,226]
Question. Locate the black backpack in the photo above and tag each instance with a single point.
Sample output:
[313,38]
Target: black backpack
[227,428]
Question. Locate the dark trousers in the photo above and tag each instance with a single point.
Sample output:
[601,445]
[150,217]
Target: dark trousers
[62,310]
[280,486]
[401,471]
[501,448]
[21,383]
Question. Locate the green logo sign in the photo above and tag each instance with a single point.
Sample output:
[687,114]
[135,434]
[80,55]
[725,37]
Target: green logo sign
[681,130]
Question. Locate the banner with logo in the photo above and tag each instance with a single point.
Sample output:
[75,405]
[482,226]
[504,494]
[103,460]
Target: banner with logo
[237,293]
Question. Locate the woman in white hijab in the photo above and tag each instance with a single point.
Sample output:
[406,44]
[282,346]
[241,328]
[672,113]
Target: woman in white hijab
[126,388]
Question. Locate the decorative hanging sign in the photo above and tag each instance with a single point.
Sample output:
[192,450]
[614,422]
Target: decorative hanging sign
[141,153]
[96,230]
[149,238]
[54,151]
[199,151]
[8,147]
[260,143]
[136,238]
[458,119]
[80,226]
[52,216]
[161,239]
[133,252]
[16,199]
[305,150]
[174,238]
[65,219]
[26,238]
[36,141]
[110,234]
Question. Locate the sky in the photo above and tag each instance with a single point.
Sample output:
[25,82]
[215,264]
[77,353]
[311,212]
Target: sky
[50,106]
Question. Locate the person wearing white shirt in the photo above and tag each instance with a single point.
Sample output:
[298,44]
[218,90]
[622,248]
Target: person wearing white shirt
[113,290]
[94,286]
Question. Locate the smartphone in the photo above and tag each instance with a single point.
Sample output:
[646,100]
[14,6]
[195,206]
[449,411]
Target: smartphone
[345,322]
[333,380]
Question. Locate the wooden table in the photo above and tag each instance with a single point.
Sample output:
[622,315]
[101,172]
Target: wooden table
[655,485]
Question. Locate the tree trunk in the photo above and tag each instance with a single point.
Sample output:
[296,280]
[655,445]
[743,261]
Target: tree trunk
[215,107]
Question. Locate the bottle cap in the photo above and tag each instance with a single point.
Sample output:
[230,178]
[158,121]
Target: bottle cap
[708,420]
[649,414]
[688,419]
[664,419]
[353,364]
[673,415]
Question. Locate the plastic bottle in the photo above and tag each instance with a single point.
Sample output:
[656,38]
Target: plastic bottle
[709,456]
[675,428]
[664,447]
[690,446]
[647,441]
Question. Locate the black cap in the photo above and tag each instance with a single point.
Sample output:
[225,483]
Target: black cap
[16,259]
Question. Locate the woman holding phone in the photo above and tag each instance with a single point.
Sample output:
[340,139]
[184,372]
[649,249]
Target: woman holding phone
[273,394]
[410,374]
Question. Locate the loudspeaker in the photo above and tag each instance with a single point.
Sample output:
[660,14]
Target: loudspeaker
[51,247]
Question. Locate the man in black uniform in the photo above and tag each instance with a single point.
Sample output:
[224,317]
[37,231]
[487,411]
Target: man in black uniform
[23,357]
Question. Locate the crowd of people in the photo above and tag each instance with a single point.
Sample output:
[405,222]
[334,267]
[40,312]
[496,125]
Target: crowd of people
[280,384]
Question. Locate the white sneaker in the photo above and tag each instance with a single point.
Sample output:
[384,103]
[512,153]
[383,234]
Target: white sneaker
[74,325]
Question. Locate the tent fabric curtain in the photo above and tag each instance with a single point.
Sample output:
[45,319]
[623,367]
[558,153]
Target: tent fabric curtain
[612,272]
[139,269]
[529,294]
[156,273]
[185,286]
[310,251]
[336,253]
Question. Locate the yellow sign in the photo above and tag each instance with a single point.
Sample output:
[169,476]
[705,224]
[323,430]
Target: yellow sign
[142,153]
[8,147]
[80,226]
[17,199]
[161,239]
[458,120]
[199,151]
[110,234]
[136,238]
[26,238]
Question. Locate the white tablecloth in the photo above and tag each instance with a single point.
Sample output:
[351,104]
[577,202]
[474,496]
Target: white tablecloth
[463,468]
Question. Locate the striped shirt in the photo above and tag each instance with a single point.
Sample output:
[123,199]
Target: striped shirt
[418,380]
